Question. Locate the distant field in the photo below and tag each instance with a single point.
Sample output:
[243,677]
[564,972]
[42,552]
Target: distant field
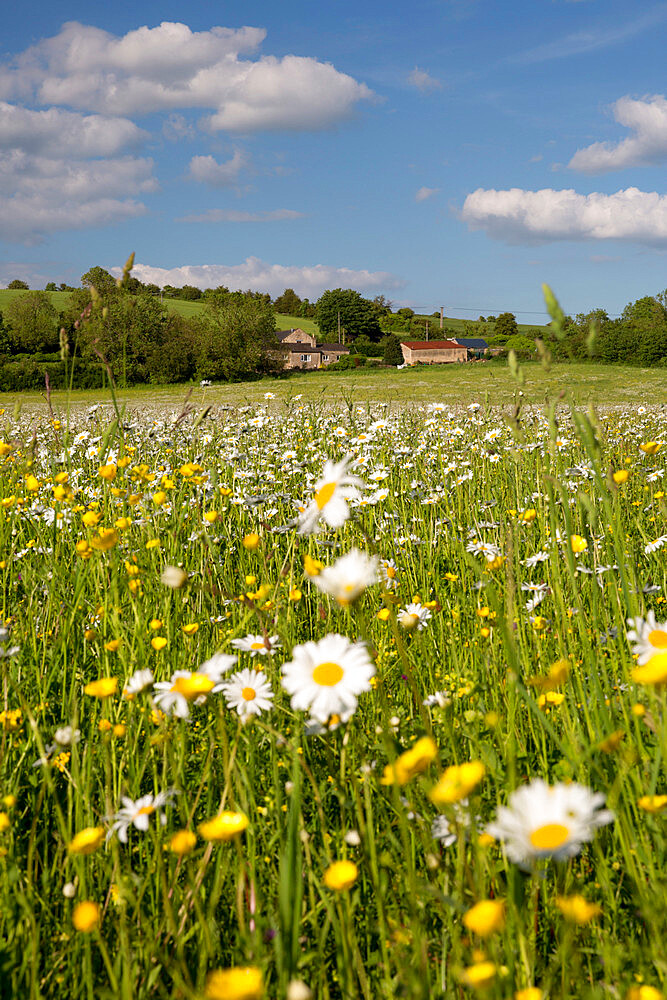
[59,299]
[185,308]
[456,385]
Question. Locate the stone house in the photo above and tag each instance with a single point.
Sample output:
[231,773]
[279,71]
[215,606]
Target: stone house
[301,350]
[433,352]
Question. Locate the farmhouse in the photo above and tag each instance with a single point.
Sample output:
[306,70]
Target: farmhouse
[433,352]
[301,350]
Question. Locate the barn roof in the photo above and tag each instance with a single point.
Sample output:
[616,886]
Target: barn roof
[476,343]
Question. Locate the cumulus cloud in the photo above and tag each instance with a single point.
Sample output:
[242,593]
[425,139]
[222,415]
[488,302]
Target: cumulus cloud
[518,216]
[171,67]
[229,215]
[207,170]
[424,193]
[423,81]
[648,120]
[65,133]
[259,275]
[40,195]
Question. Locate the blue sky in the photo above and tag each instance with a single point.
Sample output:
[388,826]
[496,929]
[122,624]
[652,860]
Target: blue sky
[441,152]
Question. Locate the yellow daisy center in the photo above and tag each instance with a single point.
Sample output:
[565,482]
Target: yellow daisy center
[549,837]
[327,674]
[146,811]
[248,694]
[324,495]
[257,645]
[658,638]
[193,686]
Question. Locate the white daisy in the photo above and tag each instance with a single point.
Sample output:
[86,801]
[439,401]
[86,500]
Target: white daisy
[187,687]
[388,572]
[414,616]
[138,682]
[257,645]
[442,831]
[249,692]
[138,813]
[542,821]
[655,545]
[348,577]
[648,636]
[325,677]
[332,491]
[217,665]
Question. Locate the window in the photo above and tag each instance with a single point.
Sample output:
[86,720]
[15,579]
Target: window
[325,357]
[305,357]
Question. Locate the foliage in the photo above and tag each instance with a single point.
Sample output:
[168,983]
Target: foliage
[523,347]
[17,285]
[99,279]
[505,327]
[289,303]
[237,338]
[357,315]
[33,322]
[393,355]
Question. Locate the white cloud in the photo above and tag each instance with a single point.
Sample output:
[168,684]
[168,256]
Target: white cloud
[648,121]
[259,275]
[39,195]
[171,67]
[65,133]
[518,216]
[423,81]
[229,215]
[207,170]
[424,193]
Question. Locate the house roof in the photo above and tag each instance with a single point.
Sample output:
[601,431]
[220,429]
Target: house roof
[476,343]
[281,334]
[431,345]
[296,346]
[333,348]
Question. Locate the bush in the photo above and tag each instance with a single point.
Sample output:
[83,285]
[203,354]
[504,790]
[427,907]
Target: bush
[27,374]
[348,362]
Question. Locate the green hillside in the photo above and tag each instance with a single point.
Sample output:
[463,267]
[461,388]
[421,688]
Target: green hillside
[186,308]
[59,299]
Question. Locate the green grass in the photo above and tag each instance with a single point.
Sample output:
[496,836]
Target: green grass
[603,385]
[58,299]
[82,605]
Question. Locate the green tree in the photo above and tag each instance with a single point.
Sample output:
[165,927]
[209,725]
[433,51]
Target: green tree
[99,279]
[506,326]
[50,287]
[238,338]
[393,355]
[357,315]
[33,323]
[289,303]
[124,333]
[190,293]
[18,285]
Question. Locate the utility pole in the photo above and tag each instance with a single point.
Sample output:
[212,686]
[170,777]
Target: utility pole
[339,326]
[427,326]
[442,317]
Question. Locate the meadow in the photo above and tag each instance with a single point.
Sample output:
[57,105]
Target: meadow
[309,694]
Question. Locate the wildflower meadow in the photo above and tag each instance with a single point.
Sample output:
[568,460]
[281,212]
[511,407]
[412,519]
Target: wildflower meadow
[306,700]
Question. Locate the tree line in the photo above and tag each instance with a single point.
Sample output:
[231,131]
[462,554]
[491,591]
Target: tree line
[123,332]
